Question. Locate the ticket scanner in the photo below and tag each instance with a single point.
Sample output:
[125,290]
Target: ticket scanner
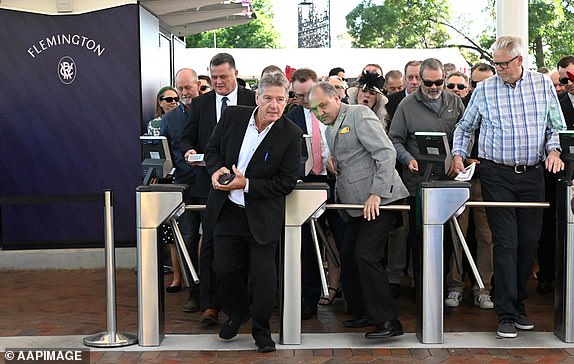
[564,264]
[307,200]
[439,200]
[156,204]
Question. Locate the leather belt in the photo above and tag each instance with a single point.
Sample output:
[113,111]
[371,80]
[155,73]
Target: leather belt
[521,168]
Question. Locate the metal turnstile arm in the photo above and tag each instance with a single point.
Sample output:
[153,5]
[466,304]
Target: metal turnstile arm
[312,222]
[183,249]
[454,222]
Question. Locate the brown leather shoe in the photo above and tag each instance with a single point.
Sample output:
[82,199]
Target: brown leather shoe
[209,318]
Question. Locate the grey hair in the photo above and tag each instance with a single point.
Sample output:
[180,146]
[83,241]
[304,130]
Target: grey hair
[431,64]
[457,74]
[273,79]
[511,43]
[328,89]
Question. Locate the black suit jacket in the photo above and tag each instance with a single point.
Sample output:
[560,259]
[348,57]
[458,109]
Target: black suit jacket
[567,110]
[272,171]
[203,119]
[297,115]
[391,106]
[172,126]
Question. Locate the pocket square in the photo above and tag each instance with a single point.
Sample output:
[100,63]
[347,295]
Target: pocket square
[345,130]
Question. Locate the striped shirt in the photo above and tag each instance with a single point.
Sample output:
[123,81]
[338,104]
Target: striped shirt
[518,124]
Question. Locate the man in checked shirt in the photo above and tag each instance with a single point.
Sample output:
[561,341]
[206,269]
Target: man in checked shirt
[519,118]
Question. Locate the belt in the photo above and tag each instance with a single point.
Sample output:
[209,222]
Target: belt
[520,168]
[234,204]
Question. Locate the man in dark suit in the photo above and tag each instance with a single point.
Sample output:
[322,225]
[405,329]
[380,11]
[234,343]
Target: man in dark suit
[172,126]
[301,115]
[412,81]
[206,110]
[363,161]
[566,64]
[263,150]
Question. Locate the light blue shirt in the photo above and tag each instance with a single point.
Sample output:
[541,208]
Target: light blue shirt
[518,124]
[251,142]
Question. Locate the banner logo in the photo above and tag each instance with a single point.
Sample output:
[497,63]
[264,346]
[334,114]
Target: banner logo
[67,70]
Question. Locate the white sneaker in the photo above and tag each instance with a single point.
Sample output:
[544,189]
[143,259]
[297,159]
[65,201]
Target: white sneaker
[453,299]
[484,302]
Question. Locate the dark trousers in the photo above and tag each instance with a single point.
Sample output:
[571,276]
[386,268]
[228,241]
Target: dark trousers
[236,253]
[515,232]
[208,286]
[362,263]
[188,224]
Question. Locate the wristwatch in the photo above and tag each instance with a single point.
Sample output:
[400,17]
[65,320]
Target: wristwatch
[558,150]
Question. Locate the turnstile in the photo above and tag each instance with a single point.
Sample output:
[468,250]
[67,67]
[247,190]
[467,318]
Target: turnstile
[306,200]
[564,264]
[439,200]
[155,204]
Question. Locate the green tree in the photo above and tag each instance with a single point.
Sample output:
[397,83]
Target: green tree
[399,24]
[258,33]
[550,24]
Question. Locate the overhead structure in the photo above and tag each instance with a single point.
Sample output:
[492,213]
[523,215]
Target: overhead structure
[181,17]
[185,17]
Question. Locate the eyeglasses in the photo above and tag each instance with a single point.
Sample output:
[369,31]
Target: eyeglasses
[459,86]
[473,83]
[437,83]
[564,80]
[170,99]
[203,87]
[504,65]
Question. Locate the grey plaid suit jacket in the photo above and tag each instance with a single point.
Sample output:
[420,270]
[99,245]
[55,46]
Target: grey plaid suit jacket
[365,158]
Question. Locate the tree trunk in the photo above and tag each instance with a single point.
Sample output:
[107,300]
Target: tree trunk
[538,52]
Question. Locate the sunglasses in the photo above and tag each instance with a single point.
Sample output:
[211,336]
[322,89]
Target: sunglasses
[170,99]
[437,83]
[504,65]
[203,87]
[459,86]
[564,80]
[473,83]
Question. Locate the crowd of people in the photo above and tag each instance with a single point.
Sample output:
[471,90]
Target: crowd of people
[502,117]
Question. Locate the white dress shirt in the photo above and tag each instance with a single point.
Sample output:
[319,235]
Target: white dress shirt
[231,101]
[251,141]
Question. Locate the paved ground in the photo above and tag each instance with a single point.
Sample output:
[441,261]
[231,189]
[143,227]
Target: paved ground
[59,303]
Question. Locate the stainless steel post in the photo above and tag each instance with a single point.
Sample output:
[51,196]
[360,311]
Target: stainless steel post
[564,280]
[110,338]
[439,201]
[155,204]
[301,204]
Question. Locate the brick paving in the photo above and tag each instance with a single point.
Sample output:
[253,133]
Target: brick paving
[72,302]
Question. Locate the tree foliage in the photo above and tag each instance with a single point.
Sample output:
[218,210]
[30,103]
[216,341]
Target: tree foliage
[398,24]
[258,33]
[550,24]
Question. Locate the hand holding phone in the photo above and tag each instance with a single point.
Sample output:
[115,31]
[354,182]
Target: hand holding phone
[225,179]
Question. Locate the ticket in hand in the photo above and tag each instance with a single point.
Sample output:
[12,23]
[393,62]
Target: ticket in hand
[195,158]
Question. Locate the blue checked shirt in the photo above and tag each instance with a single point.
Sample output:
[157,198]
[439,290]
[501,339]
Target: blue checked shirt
[518,125]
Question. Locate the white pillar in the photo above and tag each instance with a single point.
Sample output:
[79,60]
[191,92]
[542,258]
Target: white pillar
[512,19]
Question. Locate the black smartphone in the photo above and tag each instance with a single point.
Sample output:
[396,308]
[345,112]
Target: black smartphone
[225,179]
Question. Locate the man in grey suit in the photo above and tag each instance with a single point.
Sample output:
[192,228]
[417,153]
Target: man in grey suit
[363,159]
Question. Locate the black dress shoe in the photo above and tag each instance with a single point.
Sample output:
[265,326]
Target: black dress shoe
[173,289]
[356,322]
[230,329]
[307,312]
[265,346]
[544,286]
[387,329]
